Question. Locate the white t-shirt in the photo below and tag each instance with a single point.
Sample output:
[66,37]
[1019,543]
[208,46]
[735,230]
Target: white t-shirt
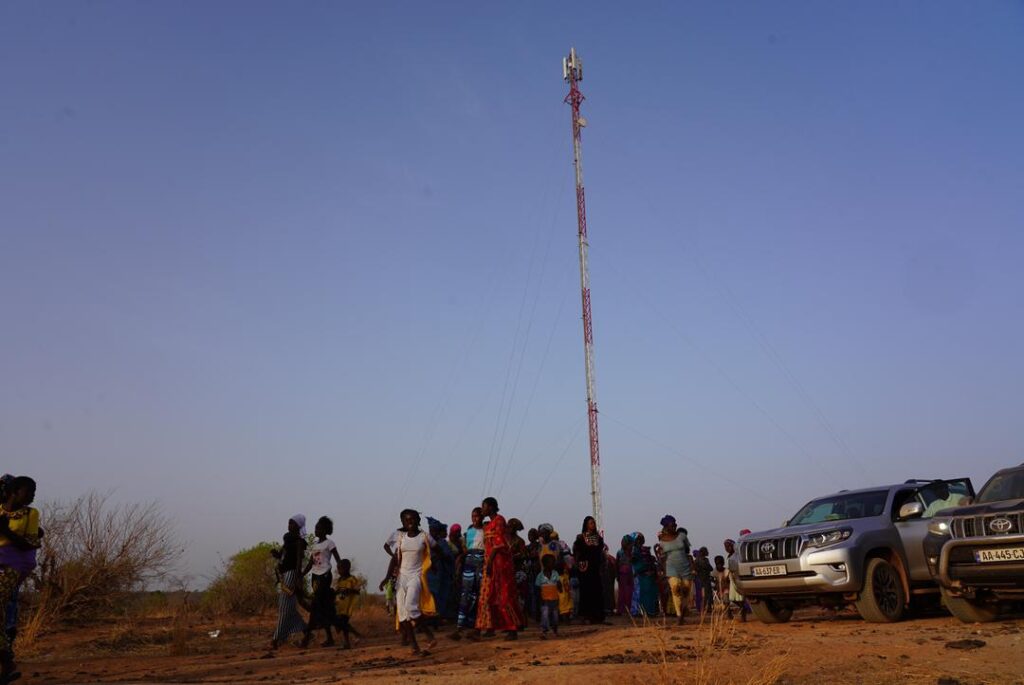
[320,553]
[411,552]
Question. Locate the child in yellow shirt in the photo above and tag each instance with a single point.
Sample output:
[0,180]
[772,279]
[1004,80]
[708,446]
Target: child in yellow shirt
[346,591]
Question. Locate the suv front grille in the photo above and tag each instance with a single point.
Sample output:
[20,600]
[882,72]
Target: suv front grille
[771,549]
[989,524]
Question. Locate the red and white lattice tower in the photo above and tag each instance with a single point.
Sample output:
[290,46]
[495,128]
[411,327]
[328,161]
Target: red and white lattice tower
[572,71]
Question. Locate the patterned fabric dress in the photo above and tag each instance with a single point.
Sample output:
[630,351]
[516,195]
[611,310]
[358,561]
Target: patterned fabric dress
[288,618]
[645,573]
[498,607]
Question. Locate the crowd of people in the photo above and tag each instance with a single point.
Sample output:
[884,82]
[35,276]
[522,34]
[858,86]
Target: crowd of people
[330,602]
[487,578]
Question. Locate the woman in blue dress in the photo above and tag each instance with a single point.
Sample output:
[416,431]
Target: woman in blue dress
[645,570]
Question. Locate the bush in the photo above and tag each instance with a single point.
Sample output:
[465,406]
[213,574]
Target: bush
[95,552]
[246,585]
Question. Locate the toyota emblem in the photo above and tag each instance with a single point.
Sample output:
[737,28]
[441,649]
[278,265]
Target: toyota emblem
[1000,525]
[767,547]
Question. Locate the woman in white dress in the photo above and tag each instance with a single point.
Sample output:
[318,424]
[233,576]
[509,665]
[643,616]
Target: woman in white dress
[412,558]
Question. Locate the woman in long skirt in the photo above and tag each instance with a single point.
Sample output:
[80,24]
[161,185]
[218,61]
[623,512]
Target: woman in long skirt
[442,566]
[498,607]
[588,551]
[646,573]
[289,568]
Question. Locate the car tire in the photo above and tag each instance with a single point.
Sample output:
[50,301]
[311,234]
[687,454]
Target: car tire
[883,599]
[969,611]
[768,611]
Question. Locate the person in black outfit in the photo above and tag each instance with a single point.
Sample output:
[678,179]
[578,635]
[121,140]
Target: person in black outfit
[588,551]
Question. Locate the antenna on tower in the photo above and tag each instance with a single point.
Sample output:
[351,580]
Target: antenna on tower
[572,72]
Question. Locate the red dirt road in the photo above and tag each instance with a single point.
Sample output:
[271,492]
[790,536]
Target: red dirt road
[810,649]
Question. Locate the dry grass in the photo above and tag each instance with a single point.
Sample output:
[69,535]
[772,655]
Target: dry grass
[32,629]
[181,628]
[715,639]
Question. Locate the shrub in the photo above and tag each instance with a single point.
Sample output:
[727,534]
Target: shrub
[246,583]
[95,552]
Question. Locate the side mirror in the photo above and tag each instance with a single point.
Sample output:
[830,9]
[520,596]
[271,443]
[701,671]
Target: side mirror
[911,510]
[784,523]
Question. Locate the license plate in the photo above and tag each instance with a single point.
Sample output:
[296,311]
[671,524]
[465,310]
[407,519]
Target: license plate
[762,571]
[1001,554]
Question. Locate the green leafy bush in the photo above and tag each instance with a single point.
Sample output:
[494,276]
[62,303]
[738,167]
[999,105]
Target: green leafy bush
[246,585]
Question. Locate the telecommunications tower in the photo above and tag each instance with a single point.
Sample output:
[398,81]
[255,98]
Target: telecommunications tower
[572,72]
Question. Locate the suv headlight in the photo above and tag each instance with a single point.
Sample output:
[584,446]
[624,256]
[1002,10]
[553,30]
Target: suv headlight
[829,537]
[939,527]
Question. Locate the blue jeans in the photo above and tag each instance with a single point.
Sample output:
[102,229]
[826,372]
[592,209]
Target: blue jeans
[549,615]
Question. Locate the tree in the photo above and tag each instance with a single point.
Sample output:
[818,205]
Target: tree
[246,583]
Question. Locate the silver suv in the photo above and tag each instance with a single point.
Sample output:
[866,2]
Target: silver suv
[856,546]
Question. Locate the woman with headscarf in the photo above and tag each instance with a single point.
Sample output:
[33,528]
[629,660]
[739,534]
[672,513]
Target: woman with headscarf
[498,607]
[547,543]
[472,566]
[645,571]
[440,578]
[588,551]
[520,562]
[289,570]
[624,566]
[676,564]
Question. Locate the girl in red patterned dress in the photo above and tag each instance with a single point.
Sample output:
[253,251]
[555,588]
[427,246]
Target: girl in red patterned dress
[498,607]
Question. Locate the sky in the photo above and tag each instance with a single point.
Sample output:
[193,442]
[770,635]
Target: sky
[259,259]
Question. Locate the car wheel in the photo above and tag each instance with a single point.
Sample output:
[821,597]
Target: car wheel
[768,611]
[882,600]
[970,611]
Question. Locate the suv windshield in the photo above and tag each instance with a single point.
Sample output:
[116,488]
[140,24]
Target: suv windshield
[1003,487]
[842,507]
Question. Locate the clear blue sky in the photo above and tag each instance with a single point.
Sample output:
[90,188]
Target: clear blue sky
[267,258]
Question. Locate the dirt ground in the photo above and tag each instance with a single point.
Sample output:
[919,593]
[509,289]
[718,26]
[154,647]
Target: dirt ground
[813,648]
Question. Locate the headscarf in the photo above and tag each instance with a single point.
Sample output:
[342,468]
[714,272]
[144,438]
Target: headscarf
[667,519]
[456,529]
[300,521]
[729,541]
[546,528]
[433,524]
[745,531]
